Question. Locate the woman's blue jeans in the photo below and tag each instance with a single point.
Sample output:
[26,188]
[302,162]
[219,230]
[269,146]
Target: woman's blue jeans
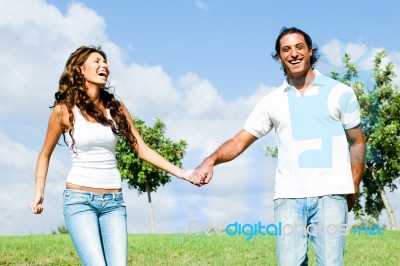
[322,219]
[97,226]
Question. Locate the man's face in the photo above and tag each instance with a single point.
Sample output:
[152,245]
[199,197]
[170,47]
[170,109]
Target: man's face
[295,55]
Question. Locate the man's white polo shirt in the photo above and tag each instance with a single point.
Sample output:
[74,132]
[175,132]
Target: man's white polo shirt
[313,152]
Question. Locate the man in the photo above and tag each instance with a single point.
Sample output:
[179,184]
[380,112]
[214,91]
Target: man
[321,151]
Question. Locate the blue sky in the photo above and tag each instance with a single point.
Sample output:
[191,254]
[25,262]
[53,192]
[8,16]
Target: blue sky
[199,65]
[230,42]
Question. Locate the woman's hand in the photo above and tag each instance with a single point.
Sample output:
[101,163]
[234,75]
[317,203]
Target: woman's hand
[37,204]
[186,174]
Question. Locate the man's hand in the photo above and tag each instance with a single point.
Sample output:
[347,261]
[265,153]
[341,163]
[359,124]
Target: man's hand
[202,174]
[356,140]
[351,199]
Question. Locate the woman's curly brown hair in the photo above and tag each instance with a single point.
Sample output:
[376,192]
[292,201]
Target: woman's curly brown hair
[72,91]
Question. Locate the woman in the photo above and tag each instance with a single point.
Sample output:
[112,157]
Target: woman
[91,120]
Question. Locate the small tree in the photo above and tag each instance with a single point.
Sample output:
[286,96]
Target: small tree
[366,221]
[380,113]
[61,229]
[140,174]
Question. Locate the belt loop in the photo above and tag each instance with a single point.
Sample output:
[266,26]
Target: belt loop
[91,194]
[113,197]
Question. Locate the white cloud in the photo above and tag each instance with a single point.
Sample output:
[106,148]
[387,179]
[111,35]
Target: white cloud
[395,57]
[360,54]
[15,157]
[201,5]
[333,52]
[36,41]
[36,45]
[16,192]
[202,99]
[145,89]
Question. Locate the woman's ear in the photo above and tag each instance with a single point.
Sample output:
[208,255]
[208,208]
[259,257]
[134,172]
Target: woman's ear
[79,69]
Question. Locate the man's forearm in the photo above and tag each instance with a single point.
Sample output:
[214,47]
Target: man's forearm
[357,160]
[225,153]
[231,148]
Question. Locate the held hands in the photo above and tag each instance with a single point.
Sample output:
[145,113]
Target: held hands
[202,174]
[199,176]
[186,174]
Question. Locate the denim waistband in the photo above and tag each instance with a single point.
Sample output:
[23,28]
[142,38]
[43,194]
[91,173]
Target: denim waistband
[108,195]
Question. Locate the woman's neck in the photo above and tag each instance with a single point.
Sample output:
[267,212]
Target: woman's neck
[94,93]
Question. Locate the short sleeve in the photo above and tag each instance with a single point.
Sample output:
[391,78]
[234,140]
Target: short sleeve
[349,109]
[259,123]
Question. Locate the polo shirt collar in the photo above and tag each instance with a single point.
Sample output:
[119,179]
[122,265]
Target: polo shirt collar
[286,86]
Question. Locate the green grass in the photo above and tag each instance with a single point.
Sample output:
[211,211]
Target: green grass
[183,249]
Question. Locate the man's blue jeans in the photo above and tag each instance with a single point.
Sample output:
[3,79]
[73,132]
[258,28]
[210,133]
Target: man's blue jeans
[322,219]
[97,226]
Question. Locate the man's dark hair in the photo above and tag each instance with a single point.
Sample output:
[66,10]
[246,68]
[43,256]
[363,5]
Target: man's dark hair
[284,31]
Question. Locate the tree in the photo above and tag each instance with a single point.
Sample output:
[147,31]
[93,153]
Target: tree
[271,151]
[366,221]
[140,174]
[380,113]
[61,229]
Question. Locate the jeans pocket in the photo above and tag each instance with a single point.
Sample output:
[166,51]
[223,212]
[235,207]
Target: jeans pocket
[120,202]
[337,196]
[71,198]
[279,202]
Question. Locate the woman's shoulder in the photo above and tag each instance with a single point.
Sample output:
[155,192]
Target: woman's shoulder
[61,109]
[62,113]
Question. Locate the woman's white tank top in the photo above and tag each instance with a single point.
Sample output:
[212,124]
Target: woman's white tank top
[93,159]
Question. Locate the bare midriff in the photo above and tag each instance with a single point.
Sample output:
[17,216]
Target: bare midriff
[92,189]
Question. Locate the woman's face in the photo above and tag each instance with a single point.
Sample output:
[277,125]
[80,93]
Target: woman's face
[95,70]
